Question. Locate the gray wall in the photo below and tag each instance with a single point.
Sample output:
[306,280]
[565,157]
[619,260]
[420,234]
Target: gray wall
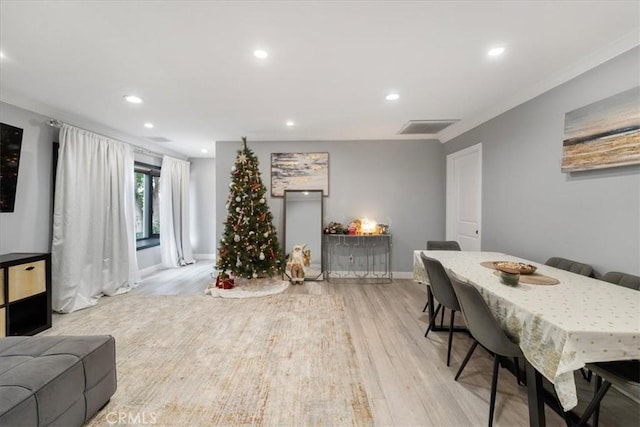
[202,200]
[149,259]
[399,183]
[530,208]
[28,227]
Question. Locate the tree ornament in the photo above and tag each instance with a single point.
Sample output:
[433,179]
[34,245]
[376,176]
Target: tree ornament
[266,234]
[262,200]
[233,168]
[238,199]
[238,262]
[236,238]
[242,158]
[238,209]
[261,256]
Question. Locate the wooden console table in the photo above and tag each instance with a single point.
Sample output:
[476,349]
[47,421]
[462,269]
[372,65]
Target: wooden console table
[363,257]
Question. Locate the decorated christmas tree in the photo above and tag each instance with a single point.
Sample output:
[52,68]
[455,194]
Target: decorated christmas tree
[249,247]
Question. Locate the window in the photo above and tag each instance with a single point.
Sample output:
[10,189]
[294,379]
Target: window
[147,222]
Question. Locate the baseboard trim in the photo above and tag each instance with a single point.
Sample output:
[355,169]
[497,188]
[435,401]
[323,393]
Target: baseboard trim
[149,270]
[403,274]
[365,275]
[152,269]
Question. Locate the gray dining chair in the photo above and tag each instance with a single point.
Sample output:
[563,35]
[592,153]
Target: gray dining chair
[623,279]
[443,245]
[444,293]
[485,330]
[570,265]
[624,376]
[440,245]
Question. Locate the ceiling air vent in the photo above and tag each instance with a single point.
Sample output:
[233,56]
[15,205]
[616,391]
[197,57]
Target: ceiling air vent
[158,139]
[417,127]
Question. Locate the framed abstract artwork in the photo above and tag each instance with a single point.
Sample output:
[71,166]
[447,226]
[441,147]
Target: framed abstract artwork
[603,134]
[299,171]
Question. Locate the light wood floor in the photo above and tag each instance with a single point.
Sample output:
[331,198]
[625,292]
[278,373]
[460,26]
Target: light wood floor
[404,373]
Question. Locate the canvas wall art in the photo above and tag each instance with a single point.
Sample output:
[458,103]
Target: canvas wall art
[603,134]
[299,171]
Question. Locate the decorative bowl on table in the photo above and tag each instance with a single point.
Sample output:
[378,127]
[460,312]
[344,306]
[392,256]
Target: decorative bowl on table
[513,267]
[510,279]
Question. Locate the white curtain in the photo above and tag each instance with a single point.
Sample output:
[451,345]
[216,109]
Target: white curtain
[93,248]
[175,246]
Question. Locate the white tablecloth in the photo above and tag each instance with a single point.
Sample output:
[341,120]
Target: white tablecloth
[560,327]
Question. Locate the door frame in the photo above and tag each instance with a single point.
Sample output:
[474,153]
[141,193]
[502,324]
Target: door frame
[451,196]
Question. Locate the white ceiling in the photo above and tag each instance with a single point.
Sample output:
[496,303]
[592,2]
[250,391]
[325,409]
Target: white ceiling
[329,68]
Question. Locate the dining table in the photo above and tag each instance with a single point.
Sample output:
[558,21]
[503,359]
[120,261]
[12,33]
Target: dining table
[560,320]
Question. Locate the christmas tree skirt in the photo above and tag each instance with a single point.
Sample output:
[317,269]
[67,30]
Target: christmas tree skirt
[250,288]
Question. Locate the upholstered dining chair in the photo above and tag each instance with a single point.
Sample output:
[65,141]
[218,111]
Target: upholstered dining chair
[440,245]
[623,279]
[624,376]
[570,265]
[485,330]
[444,293]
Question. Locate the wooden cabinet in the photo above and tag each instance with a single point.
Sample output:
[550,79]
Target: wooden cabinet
[25,293]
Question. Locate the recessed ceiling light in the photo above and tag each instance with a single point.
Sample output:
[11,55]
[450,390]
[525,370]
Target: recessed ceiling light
[204,150]
[259,53]
[392,97]
[133,99]
[148,125]
[290,123]
[496,51]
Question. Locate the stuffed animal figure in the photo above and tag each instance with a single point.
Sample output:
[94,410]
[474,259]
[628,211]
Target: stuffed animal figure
[297,264]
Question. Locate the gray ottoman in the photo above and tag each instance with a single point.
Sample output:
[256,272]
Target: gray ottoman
[55,380]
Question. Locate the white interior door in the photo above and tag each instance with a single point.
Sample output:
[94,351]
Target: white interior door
[464,197]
